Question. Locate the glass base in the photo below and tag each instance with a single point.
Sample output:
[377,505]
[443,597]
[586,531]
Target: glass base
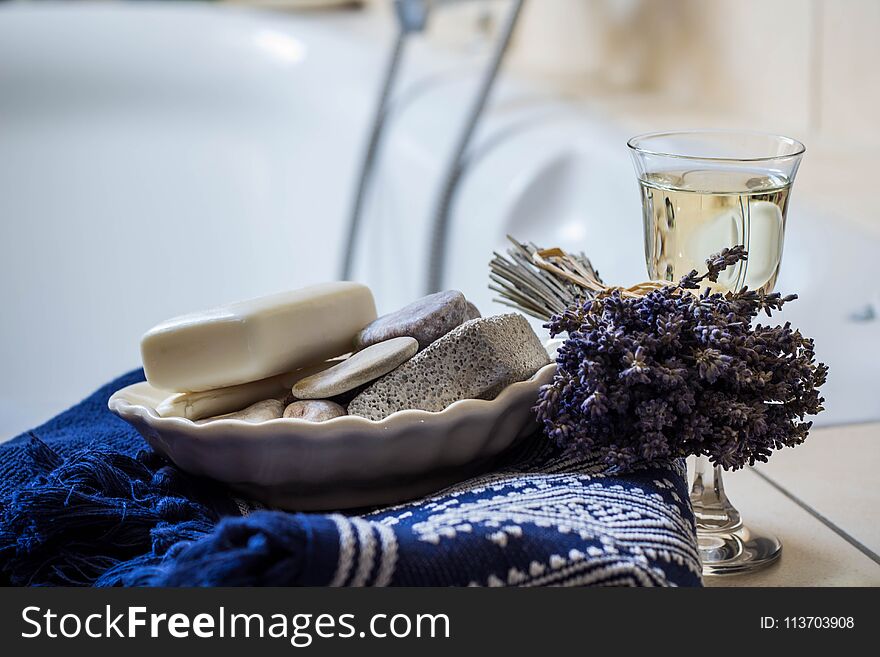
[726,545]
[742,550]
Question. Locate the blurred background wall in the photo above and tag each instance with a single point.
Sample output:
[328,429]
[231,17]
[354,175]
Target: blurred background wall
[800,65]
[807,68]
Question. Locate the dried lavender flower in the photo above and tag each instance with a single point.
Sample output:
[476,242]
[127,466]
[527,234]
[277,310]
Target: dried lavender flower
[675,373]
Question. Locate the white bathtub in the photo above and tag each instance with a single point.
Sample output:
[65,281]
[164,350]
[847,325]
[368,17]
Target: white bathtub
[159,158]
[155,159]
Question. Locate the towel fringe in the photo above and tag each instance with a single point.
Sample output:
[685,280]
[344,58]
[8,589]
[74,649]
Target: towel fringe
[266,548]
[102,518]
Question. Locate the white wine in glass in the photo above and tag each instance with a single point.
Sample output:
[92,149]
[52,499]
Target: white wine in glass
[703,191]
[691,214]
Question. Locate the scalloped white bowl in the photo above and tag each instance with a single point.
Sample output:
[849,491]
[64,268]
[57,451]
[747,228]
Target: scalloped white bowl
[345,462]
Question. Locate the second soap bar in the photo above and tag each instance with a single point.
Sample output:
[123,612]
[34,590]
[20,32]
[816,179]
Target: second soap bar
[255,339]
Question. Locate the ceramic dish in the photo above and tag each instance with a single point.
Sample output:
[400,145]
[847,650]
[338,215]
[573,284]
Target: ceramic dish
[341,463]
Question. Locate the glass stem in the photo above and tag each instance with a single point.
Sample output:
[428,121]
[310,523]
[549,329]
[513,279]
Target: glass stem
[712,510]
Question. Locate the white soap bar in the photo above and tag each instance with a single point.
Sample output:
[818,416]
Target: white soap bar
[208,403]
[256,339]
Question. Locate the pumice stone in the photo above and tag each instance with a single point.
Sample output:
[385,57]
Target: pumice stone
[268,409]
[425,320]
[314,410]
[362,367]
[256,339]
[476,360]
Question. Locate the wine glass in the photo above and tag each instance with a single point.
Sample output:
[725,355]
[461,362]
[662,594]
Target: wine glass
[703,191]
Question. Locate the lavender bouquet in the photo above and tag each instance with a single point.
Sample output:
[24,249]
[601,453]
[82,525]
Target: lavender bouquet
[658,371]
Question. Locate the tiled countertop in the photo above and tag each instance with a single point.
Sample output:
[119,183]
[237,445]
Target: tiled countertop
[822,500]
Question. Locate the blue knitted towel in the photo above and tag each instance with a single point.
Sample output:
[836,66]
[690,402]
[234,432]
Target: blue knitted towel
[84,501]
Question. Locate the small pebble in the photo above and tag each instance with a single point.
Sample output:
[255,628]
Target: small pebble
[472,312]
[268,409]
[426,320]
[362,367]
[314,410]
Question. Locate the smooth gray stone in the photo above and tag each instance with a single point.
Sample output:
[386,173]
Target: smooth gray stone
[268,409]
[314,410]
[362,367]
[472,311]
[476,360]
[425,320]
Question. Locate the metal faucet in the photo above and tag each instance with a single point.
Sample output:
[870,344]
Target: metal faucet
[412,17]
